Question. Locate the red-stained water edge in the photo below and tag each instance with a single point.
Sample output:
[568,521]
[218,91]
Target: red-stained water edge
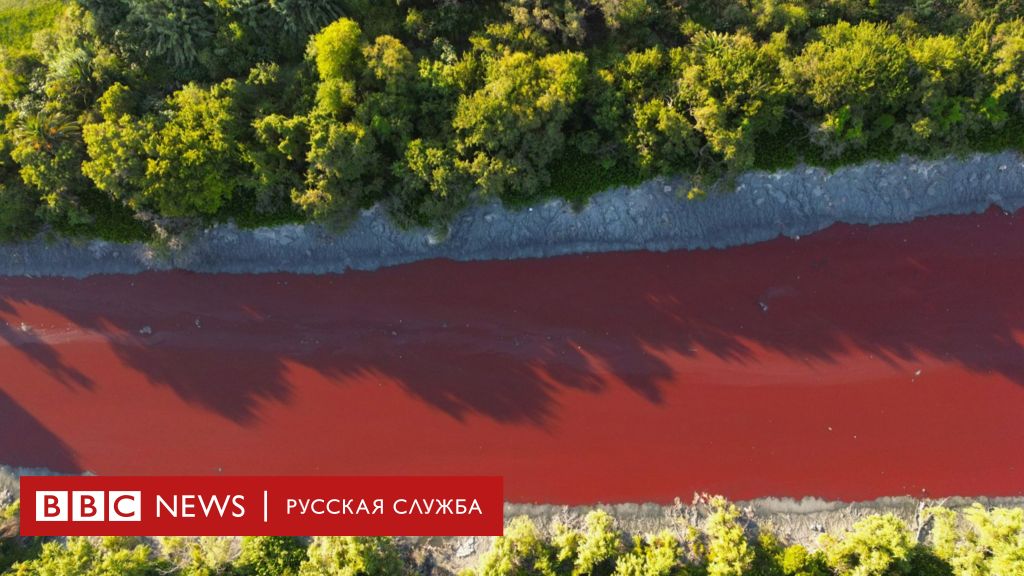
[851,364]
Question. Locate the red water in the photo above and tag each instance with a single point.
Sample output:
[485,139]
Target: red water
[851,364]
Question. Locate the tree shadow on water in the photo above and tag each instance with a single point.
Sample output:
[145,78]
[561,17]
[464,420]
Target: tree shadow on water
[27,340]
[28,443]
[505,340]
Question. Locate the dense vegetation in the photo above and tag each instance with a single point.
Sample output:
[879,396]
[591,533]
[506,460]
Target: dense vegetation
[974,542]
[126,113]
[19,19]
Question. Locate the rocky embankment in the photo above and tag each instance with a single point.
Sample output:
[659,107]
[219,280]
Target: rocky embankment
[652,216]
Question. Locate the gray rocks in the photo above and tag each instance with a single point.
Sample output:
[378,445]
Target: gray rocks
[650,216]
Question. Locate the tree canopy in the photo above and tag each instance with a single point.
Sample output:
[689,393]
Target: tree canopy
[121,115]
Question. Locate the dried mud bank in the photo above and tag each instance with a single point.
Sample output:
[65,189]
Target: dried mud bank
[652,216]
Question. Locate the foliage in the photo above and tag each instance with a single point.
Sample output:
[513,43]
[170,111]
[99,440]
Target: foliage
[17,212]
[875,546]
[975,541]
[352,556]
[194,157]
[85,557]
[119,113]
[184,163]
[19,19]
[511,128]
[271,555]
[991,544]
[644,102]
[336,50]
[856,78]
[734,91]
[522,550]
[657,555]
[18,203]
[594,550]
[728,551]
[204,556]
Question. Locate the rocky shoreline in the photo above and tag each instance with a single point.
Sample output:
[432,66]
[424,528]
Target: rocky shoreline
[652,216]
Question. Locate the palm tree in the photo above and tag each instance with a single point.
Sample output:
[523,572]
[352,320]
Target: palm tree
[45,130]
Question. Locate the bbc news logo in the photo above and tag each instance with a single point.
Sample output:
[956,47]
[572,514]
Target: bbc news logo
[261,506]
[88,506]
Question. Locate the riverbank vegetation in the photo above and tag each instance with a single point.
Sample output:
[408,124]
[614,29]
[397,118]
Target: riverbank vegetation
[976,541]
[121,114]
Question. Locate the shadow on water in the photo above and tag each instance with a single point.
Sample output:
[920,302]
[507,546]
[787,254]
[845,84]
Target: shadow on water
[502,339]
[28,443]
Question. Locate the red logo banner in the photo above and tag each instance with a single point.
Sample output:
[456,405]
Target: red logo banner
[261,506]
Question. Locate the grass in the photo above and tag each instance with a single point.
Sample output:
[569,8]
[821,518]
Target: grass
[20,19]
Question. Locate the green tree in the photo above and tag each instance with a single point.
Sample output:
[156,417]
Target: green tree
[352,556]
[771,558]
[391,85]
[728,552]
[521,551]
[939,112]
[77,65]
[856,78]
[511,129]
[337,50]
[345,172]
[277,157]
[195,157]
[599,545]
[337,53]
[563,20]
[627,14]
[174,32]
[271,555]
[18,205]
[84,557]
[654,555]
[592,551]
[795,560]
[116,147]
[19,69]
[734,91]
[659,134]
[875,546]
[279,30]
[432,188]
[49,151]
[1009,63]
[991,542]
[203,556]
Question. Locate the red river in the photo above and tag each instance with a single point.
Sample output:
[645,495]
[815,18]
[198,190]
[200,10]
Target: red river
[851,364]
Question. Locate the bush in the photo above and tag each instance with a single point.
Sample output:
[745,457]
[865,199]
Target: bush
[875,546]
[271,555]
[352,556]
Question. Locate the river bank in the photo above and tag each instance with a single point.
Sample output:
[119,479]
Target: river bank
[653,216]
